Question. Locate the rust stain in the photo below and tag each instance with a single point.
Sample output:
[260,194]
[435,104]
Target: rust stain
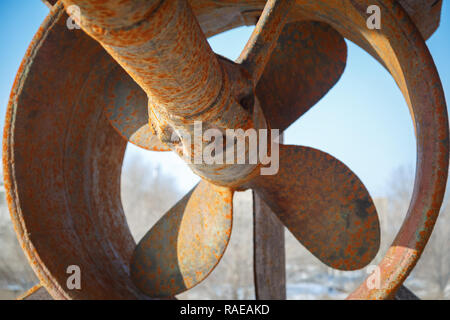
[62,157]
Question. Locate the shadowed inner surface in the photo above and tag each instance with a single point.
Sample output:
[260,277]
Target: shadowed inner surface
[67,164]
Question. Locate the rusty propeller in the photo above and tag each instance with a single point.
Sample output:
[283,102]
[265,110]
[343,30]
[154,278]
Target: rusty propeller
[62,158]
[317,197]
[309,58]
[185,245]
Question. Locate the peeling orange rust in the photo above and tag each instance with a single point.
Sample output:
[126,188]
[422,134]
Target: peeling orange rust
[161,45]
[73,108]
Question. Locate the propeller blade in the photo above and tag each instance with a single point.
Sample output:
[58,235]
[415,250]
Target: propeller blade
[426,15]
[185,245]
[325,205]
[308,60]
[127,111]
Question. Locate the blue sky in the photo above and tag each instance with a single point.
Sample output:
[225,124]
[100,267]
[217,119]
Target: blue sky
[363,120]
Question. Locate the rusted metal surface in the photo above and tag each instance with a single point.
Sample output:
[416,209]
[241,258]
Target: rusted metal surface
[264,38]
[308,60]
[62,162]
[128,112]
[183,78]
[49,3]
[217,17]
[403,293]
[324,205]
[269,253]
[185,245]
[426,14]
[269,259]
[62,158]
[407,58]
[305,52]
[38,292]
